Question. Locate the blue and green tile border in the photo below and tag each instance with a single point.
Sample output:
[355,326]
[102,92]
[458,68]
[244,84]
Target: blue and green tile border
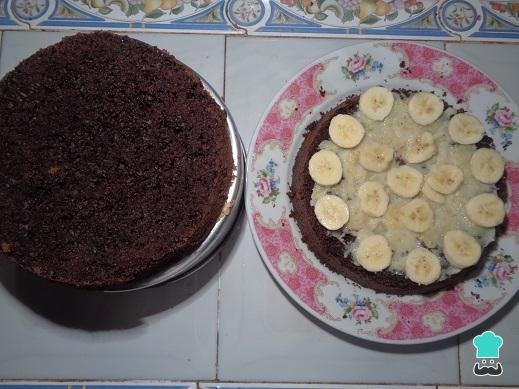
[448,20]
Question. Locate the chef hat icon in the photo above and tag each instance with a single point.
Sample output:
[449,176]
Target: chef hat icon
[487,345]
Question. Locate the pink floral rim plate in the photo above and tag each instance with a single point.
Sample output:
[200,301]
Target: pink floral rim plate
[329,297]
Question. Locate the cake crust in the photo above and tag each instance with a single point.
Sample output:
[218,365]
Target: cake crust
[114,161]
[328,249]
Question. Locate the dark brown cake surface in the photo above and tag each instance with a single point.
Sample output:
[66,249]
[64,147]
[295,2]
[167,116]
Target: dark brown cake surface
[114,161]
[329,249]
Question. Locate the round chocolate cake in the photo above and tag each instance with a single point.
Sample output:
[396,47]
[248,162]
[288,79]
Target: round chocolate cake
[114,161]
[330,235]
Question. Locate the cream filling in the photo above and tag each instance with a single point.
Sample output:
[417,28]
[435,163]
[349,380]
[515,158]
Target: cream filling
[395,131]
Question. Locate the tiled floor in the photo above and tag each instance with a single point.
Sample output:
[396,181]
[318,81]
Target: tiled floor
[495,60]
[271,339]
[170,332]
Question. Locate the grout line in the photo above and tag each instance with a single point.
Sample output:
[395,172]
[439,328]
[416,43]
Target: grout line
[224,66]
[459,359]
[217,367]
[2,33]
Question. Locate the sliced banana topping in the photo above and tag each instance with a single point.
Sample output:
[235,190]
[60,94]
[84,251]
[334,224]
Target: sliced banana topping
[325,168]
[442,199]
[432,195]
[373,198]
[405,181]
[374,253]
[376,103]
[461,249]
[417,215]
[465,129]
[375,157]
[425,108]
[422,266]
[420,148]
[486,210]
[445,179]
[346,131]
[332,212]
[487,166]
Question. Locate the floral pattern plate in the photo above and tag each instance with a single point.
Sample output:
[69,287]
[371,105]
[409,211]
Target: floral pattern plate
[329,297]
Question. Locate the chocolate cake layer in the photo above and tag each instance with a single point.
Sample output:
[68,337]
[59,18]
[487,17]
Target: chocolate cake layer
[114,161]
[329,249]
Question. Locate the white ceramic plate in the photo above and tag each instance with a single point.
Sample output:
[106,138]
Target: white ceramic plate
[329,297]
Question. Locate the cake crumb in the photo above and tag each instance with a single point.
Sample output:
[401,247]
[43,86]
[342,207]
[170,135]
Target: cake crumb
[53,170]
[6,247]
[226,210]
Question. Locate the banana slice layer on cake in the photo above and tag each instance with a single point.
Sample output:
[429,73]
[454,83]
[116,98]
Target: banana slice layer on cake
[398,191]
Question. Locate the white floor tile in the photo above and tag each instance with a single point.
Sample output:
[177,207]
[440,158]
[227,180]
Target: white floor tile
[49,332]
[168,332]
[18,45]
[506,325]
[257,68]
[263,336]
[204,53]
[499,62]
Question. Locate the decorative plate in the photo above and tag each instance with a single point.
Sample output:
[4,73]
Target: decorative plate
[329,297]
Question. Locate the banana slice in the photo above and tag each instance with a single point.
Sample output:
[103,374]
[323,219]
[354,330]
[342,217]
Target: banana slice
[461,249]
[422,266]
[325,168]
[486,210]
[445,179]
[417,215]
[487,166]
[346,131]
[465,129]
[373,198]
[375,157]
[432,195]
[332,212]
[374,253]
[424,108]
[420,148]
[405,181]
[376,103]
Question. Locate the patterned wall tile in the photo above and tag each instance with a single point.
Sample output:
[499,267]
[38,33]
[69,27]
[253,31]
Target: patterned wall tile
[485,20]
[449,20]
[354,18]
[135,15]
[412,19]
[7,19]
